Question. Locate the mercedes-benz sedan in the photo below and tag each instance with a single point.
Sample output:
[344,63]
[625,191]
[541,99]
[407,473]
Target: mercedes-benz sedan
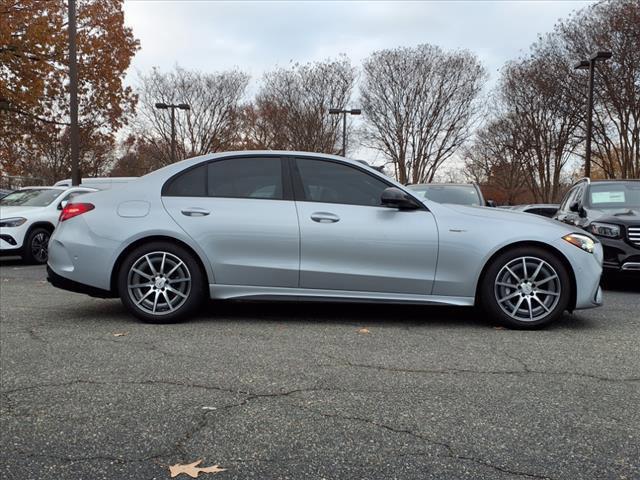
[293,225]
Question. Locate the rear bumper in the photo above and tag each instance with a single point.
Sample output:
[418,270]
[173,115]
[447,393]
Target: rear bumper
[63,283]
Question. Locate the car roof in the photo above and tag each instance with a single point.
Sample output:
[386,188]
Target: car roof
[604,180]
[538,205]
[55,187]
[442,184]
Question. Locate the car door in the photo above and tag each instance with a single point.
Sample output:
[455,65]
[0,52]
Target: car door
[348,241]
[241,213]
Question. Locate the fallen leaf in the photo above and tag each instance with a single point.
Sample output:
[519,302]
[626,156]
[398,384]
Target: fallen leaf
[193,470]
[120,334]
[363,330]
[499,328]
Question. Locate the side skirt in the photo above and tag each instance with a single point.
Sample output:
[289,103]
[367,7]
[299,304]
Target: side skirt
[247,292]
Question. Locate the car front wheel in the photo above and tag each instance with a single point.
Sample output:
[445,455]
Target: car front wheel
[526,288]
[161,283]
[36,246]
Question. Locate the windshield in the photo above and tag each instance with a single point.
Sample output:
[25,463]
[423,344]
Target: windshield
[614,196]
[36,197]
[457,194]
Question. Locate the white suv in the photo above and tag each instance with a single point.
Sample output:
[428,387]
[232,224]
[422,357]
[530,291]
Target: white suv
[28,217]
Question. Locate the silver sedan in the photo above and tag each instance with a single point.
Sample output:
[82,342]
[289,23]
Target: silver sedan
[295,225]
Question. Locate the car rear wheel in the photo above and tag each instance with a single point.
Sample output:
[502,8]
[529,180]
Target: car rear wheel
[526,288]
[36,246]
[161,283]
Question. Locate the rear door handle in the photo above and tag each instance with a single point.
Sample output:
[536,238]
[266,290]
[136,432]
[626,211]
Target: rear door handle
[325,217]
[195,212]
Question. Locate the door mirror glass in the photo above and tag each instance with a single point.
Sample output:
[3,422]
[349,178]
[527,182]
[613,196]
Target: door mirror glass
[393,197]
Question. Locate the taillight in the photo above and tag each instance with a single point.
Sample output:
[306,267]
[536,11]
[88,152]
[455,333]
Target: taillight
[74,209]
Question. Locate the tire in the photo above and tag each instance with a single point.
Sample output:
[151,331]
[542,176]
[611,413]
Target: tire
[161,282]
[36,246]
[530,298]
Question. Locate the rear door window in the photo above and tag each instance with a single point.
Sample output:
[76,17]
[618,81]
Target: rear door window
[191,183]
[253,177]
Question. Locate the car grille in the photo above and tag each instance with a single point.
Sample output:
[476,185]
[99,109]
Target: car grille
[634,235]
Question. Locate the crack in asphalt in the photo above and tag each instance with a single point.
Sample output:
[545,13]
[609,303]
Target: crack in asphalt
[450,451]
[249,394]
[457,371]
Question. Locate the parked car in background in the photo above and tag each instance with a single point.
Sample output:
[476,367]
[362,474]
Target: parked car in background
[543,209]
[28,217]
[4,192]
[454,193]
[100,183]
[295,225]
[610,210]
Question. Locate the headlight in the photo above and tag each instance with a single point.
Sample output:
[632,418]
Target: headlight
[580,241]
[12,222]
[605,229]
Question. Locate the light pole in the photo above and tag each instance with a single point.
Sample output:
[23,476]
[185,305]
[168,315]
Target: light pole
[73,97]
[590,64]
[181,106]
[337,111]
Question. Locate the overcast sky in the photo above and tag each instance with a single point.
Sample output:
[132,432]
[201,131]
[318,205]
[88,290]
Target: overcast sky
[256,35]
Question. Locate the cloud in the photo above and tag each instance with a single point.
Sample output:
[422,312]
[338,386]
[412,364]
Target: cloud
[255,36]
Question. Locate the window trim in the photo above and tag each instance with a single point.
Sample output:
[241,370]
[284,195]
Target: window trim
[298,188]
[287,193]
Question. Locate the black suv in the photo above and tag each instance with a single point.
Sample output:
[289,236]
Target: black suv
[610,210]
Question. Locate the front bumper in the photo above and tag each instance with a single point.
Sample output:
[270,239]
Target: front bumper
[11,239]
[587,270]
[619,255]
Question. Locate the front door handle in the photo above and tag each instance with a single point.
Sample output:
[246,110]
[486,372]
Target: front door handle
[195,212]
[325,217]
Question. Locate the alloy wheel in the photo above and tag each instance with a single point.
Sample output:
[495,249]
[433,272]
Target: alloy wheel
[159,283]
[40,247]
[527,289]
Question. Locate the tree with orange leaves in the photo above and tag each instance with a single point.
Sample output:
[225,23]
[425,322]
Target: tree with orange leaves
[34,95]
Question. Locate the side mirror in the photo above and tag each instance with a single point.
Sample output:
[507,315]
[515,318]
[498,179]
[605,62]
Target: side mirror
[62,204]
[491,203]
[393,197]
[577,208]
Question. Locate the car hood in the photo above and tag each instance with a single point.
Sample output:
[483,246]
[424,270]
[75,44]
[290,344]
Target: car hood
[18,211]
[510,216]
[623,216]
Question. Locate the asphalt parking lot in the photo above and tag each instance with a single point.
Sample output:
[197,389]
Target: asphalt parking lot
[308,391]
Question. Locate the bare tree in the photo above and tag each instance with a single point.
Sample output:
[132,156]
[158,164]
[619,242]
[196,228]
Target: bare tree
[612,26]
[419,104]
[291,109]
[492,160]
[210,125]
[543,117]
